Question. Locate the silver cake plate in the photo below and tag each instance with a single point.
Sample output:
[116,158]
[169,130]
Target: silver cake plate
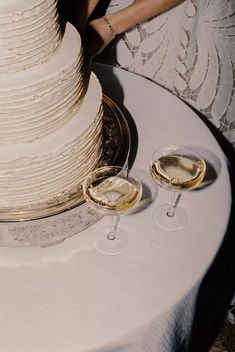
[67,214]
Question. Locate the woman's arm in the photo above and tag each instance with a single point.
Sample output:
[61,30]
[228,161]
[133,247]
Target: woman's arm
[83,11]
[139,11]
[90,6]
[101,31]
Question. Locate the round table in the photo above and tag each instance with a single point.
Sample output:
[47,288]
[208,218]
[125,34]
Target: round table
[71,298]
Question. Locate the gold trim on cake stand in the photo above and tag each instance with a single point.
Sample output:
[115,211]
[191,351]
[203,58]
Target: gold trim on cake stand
[66,214]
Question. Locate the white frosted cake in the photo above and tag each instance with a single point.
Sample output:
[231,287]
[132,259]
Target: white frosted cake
[50,106]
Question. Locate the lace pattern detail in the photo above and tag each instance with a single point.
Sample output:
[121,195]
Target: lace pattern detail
[231,312]
[191,51]
[117,5]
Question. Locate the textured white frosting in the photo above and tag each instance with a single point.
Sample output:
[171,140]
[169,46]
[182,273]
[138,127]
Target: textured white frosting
[40,171]
[29,33]
[35,102]
[50,107]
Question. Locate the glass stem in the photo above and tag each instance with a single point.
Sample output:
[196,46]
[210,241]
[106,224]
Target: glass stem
[175,198]
[113,228]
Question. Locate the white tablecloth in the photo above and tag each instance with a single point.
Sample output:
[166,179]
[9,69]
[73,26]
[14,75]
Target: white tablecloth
[71,298]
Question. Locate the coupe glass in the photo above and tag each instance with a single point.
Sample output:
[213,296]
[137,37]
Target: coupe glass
[175,168]
[112,190]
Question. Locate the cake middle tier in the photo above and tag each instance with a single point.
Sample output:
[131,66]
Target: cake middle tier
[43,170]
[38,101]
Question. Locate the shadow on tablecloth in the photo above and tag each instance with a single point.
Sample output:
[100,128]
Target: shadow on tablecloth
[218,286]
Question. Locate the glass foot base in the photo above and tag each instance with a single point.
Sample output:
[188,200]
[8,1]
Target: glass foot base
[108,246]
[176,222]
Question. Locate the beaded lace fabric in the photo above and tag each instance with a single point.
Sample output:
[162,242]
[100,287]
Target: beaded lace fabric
[191,51]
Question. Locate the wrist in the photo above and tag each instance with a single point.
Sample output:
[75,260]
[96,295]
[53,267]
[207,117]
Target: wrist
[109,26]
[103,30]
[119,22]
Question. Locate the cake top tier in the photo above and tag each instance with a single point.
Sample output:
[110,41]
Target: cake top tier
[29,33]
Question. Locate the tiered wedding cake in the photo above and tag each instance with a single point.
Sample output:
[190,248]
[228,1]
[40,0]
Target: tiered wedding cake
[50,107]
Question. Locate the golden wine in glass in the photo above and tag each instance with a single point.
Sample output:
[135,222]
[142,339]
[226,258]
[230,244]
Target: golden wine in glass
[112,190]
[175,168]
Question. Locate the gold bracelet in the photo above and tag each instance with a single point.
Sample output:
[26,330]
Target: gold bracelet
[109,26]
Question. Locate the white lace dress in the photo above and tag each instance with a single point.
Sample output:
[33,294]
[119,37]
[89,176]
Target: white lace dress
[191,51]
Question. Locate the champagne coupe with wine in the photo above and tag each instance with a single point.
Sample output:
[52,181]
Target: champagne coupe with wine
[112,190]
[175,168]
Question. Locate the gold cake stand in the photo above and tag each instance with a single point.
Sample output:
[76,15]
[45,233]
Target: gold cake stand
[66,214]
